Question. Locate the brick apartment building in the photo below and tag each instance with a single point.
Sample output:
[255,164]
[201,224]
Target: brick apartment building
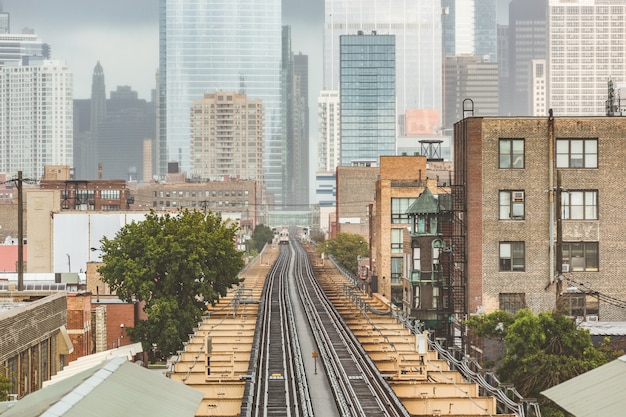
[540,203]
[402,179]
[233,197]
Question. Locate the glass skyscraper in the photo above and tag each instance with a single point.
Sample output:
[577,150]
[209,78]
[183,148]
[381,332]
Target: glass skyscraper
[417,29]
[367,98]
[219,45]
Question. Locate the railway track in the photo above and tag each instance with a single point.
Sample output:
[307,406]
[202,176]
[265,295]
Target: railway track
[278,385]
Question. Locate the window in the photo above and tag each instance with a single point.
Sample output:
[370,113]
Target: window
[399,206]
[576,153]
[512,256]
[511,205]
[417,263]
[396,270]
[580,256]
[579,205]
[512,302]
[512,153]
[396,240]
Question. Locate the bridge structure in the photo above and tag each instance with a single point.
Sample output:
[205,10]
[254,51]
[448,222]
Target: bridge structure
[221,357]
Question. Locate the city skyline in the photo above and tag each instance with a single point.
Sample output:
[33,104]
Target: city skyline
[83,33]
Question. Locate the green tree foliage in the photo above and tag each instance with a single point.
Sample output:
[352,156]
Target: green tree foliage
[541,351]
[345,248]
[176,264]
[260,236]
[5,384]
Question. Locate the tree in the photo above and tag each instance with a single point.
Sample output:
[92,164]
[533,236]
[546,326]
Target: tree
[176,264]
[260,236]
[540,351]
[5,384]
[345,248]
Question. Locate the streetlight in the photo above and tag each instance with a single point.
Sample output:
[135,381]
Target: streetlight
[69,263]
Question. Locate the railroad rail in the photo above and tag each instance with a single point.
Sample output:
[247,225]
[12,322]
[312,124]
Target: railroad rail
[278,386]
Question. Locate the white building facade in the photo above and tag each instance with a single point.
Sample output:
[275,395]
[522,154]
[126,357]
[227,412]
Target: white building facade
[36,122]
[587,46]
[329,123]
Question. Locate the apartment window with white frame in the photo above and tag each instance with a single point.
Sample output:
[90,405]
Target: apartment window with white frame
[399,206]
[577,153]
[579,205]
[511,152]
[512,256]
[396,240]
[580,256]
[511,204]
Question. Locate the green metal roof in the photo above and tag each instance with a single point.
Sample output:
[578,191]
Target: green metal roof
[424,204]
[597,393]
[115,388]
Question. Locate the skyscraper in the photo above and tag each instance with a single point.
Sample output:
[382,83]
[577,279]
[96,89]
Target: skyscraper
[36,108]
[98,98]
[587,44]
[227,137]
[473,77]
[528,33]
[301,131]
[220,45]
[417,28]
[367,98]
[329,119]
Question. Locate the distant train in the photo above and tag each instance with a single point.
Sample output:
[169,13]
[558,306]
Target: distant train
[283,236]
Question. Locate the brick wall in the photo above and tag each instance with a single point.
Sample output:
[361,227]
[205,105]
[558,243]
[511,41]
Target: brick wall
[485,230]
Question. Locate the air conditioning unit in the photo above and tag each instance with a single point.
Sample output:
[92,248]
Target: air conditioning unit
[518,196]
[565,268]
[591,318]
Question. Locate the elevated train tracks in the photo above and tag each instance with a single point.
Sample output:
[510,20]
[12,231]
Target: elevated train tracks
[374,365]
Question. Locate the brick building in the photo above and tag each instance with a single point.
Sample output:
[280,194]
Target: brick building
[401,180]
[542,213]
[111,316]
[233,197]
[103,195]
[79,324]
[356,187]
[34,342]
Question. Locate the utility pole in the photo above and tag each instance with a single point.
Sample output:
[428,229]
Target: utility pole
[20,234]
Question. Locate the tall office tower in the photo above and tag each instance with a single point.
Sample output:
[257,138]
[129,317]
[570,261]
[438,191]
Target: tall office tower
[528,33]
[469,77]
[486,29]
[587,48]
[367,92]
[227,137]
[539,88]
[5,22]
[458,27]
[13,47]
[503,66]
[129,121]
[300,138]
[329,131]
[417,27]
[220,45]
[86,131]
[98,98]
[470,27]
[36,108]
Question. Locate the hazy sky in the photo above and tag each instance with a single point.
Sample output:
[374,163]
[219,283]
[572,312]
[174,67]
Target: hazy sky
[124,36]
